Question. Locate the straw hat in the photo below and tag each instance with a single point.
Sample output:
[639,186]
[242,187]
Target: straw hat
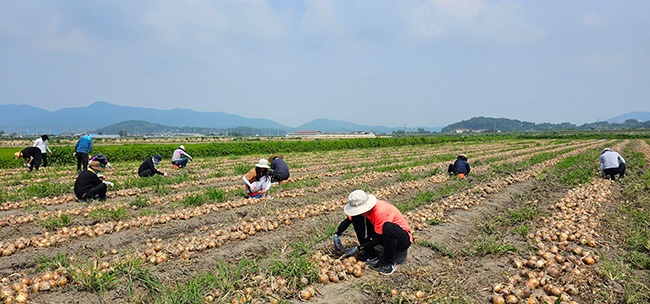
[263,163]
[359,202]
[274,156]
[606,149]
[462,155]
[17,155]
[95,165]
[181,147]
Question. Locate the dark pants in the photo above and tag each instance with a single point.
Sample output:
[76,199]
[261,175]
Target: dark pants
[147,173]
[181,162]
[611,172]
[277,176]
[394,239]
[82,159]
[365,231]
[44,158]
[36,162]
[97,192]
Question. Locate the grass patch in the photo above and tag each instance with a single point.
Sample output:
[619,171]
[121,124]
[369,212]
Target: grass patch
[241,168]
[54,223]
[134,272]
[227,280]
[89,277]
[139,201]
[194,200]
[215,194]
[491,245]
[406,176]
[103,215]
[44,263]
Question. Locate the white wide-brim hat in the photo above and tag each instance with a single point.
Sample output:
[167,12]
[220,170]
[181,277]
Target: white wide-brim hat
[263,163]
[359,202]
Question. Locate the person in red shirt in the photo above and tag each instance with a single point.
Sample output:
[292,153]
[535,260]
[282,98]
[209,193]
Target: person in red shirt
[391,228]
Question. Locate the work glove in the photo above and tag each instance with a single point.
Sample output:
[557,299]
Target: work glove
[338,245]
[108,183]
[352,251]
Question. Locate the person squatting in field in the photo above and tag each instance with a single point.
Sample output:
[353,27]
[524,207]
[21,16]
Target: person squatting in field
[392,231]
[100,157]
[83,149]
[90,185]
[460,167]
[31,157]
[148,167]
[258,181]
[177,157]
[43,144]
[611,164]
[279,169]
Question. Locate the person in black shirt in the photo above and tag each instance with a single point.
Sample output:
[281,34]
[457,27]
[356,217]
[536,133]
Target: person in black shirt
[89,185]
[148,167]
[279,169]
[31,157]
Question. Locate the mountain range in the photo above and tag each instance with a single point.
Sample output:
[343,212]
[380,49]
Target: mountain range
[24,119]
[107,118]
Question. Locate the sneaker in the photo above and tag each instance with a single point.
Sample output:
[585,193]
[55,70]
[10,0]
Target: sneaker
[385,269]
[372,261]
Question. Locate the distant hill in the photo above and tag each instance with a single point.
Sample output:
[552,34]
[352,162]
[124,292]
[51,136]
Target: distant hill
[489,124]
[640,116]
[23,119]
[141,128]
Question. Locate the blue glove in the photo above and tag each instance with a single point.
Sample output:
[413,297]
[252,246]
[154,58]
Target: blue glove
[352,251]
[338,246]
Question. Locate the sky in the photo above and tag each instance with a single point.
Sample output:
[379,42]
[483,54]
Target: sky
[371,62]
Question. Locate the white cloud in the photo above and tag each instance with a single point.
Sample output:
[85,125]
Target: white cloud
[422,22]
[211,20]
[592,19]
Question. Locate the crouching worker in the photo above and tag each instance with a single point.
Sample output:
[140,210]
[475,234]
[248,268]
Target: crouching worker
[148,167]
[611,164]
[392,231]
[460,167]
[258,181]
[279,169]
[31,157]
[90,185]
[178,159]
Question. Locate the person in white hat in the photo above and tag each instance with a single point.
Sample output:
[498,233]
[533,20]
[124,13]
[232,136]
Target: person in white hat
[460,167]
[178,161]
[391,228]
[258,181]
[611,164]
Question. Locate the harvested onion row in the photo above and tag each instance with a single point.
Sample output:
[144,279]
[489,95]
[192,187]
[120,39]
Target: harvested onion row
[558,266]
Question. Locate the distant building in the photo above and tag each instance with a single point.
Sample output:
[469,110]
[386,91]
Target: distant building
[319,134]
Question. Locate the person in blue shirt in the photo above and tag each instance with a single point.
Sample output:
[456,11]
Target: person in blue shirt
[460,167]
[82,151]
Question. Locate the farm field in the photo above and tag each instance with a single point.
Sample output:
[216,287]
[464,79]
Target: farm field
[533,223]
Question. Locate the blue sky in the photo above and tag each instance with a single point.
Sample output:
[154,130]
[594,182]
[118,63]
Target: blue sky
[374,62]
